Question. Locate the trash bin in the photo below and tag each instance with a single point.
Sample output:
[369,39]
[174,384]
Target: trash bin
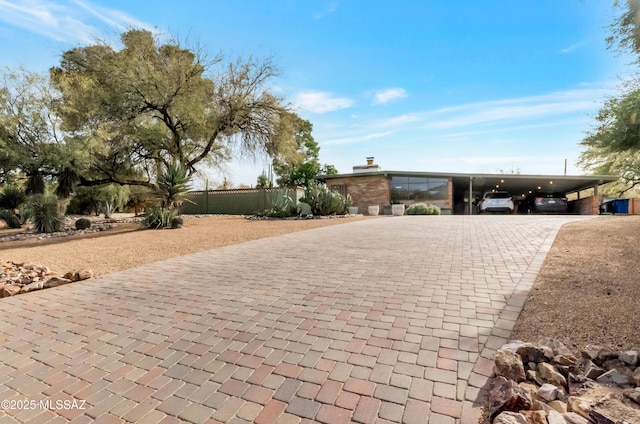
[620,206]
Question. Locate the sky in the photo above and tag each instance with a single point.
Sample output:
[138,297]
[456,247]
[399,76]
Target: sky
[422,85]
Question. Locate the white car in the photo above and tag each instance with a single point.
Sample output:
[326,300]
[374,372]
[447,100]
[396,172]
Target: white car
[496,201]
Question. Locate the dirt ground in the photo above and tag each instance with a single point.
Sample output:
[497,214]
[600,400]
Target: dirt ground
[588,290]
[128,246]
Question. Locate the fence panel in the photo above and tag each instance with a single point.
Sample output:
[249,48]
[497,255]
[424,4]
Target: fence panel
[237,202]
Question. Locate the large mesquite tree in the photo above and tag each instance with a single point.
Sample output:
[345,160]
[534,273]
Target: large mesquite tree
[613,145]
[131,113]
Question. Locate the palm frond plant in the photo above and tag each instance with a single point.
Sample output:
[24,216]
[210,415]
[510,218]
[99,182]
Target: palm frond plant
[172,188]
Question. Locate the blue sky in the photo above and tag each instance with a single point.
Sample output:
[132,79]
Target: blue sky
[423,85]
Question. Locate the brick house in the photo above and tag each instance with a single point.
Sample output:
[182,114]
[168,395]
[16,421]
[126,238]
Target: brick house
[454,193]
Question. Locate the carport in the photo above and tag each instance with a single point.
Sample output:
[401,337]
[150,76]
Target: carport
[467,187]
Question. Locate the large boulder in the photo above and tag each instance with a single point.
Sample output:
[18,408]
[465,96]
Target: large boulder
[509,365]
[510,418]
[507,395]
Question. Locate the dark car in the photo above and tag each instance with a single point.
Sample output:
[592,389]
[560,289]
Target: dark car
[540,202]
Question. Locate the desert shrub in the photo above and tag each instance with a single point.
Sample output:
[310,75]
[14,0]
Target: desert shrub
[42,211]
[325,202]
[177,222]
[83,224]
[283,207]
[423,209]
[12,220]
[12,197]
[159,217]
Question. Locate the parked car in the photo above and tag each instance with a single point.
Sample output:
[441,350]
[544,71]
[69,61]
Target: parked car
[496,201]
[542,202]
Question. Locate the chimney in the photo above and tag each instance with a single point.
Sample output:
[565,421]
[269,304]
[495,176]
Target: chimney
[369,167]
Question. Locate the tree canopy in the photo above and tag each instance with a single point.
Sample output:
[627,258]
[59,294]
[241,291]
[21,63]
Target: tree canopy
[613,146]
[302,166]
[124,116]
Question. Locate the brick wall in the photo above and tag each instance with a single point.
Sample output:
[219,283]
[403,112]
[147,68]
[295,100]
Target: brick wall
[365,191]
[585,206]
[634,206]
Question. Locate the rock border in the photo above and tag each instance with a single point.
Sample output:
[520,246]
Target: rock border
[548,383]
[24,277]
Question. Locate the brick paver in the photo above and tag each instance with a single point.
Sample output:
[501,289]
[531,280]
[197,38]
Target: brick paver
[387,320]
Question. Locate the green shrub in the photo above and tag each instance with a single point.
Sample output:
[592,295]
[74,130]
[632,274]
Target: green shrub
[423,209]
[12,197]
[12,220]
[158,217]
[42,210]
[324,202]
[177,222]
[83,224]
[284,207]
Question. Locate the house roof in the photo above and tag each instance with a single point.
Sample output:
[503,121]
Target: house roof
[516,184]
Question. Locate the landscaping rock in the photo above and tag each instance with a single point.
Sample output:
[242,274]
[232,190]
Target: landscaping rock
[506,395]
[630,357]
[509,365]
[578,406]
[510,418]
[535,417]
[530,353]
[554,417]
[573,418]
[561,390]
[548,392]
[17,277]
[613,377]
[549,374]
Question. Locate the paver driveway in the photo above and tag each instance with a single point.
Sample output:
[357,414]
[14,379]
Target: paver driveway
[387,320]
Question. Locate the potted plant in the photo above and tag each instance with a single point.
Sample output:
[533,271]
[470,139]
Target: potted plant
[397,209]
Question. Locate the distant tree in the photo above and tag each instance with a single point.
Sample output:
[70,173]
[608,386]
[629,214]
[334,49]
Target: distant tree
[133,112]
[513,170]
[263,181]
[31,143]
[612,147]
[301,167]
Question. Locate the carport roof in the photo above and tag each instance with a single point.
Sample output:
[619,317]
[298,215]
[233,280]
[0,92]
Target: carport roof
[516,184]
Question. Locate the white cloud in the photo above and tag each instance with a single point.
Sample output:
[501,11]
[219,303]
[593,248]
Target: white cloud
[357,139]
[71,21]
[384,96]
[321,102]
[505,111]
[573,47]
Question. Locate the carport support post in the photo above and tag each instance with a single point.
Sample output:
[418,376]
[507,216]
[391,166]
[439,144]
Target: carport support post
[470,195]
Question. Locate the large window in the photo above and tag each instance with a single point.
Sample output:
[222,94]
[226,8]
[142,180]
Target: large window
[418,188]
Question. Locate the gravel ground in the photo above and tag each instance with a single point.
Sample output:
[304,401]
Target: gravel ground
[588,290]
[128,246]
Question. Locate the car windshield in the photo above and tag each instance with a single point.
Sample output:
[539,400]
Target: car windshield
[497,195]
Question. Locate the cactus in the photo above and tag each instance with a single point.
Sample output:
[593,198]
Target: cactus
[83,224]
[325,202]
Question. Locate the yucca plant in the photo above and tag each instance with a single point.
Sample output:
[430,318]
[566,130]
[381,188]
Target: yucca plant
[172,188]
[42,211]
[159,217]
[12,197]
